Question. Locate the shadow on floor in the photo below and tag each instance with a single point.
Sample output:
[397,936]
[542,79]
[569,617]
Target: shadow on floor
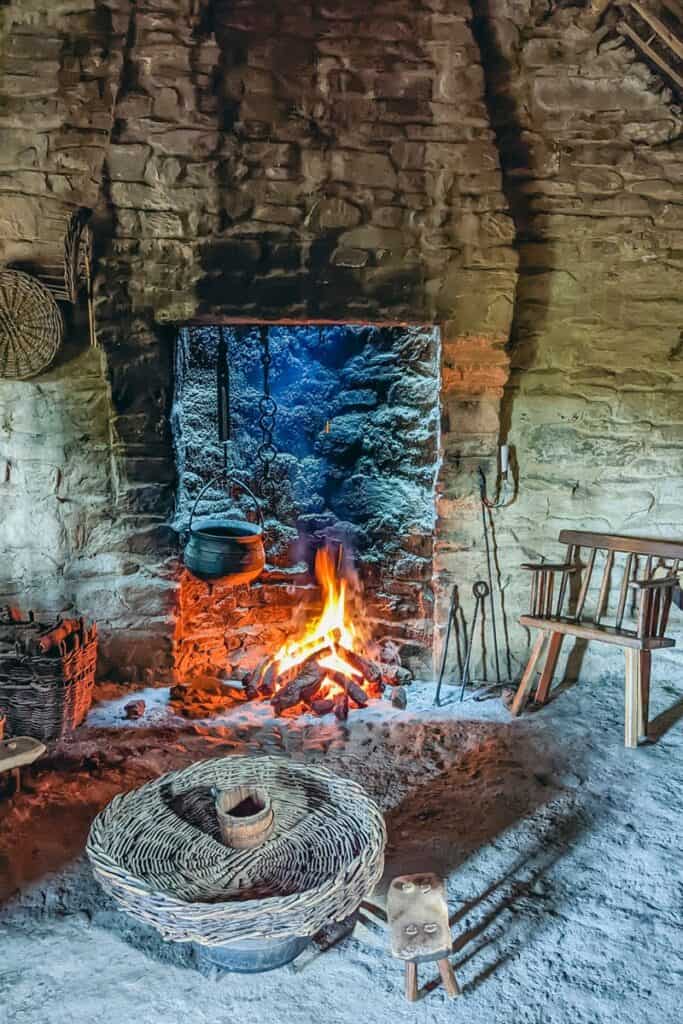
[664,721]
[485,791]
[455,785]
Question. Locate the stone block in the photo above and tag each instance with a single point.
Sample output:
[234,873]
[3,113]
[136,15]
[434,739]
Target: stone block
[127,163]
[347,257]
[372,169]
[19,217]
[333,214]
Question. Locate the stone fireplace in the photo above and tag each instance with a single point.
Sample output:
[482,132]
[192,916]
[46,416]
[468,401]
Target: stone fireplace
[356,432]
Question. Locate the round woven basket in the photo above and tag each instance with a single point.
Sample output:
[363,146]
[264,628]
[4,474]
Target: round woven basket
[30,325]
[157,851]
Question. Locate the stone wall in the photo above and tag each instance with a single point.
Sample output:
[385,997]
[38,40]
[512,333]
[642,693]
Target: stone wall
[590,145]
[337,161]
[333,162]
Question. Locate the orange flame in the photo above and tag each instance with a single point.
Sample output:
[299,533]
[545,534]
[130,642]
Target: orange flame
[333,628]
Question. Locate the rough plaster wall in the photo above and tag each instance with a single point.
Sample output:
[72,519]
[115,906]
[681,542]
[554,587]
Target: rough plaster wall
[59,68]
[55,487]
[591,147]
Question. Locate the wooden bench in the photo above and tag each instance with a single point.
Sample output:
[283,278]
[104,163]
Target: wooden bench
[646,597]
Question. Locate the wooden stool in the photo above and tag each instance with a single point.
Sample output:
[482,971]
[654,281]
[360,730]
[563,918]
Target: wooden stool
[18,752]
[420,933]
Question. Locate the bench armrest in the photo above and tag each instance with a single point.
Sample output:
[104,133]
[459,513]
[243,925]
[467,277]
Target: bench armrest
[548,567]
[655,583]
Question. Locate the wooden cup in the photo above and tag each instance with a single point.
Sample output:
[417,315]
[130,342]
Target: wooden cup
[245,816]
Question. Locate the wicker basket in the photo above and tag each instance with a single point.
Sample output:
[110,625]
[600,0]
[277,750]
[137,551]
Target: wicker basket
[157,851]
[30,325]
[45,695]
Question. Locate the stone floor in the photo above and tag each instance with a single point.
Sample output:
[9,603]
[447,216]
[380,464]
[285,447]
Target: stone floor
[561,849]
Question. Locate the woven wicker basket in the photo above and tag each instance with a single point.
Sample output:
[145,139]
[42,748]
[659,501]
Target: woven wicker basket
[157,851]
[30,325]
[45,695]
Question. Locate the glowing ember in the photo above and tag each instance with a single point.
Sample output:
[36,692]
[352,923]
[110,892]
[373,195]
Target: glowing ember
[334,634]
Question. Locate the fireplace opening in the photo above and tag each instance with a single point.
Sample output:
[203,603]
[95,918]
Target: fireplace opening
[347,417]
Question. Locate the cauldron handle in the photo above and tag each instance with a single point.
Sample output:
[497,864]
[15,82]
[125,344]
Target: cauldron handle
[239,485]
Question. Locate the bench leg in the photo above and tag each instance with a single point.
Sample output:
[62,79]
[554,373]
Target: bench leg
[527,680]
[633,697]
[645,663]
[554,645]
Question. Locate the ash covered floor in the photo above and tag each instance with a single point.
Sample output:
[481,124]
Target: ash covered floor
[561,851]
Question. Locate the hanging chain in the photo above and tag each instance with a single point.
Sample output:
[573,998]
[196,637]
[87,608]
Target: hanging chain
[223,396]
[266,452]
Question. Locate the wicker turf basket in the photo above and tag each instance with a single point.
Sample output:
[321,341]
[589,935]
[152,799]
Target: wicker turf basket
[45,695]
[30,325]
[157,851]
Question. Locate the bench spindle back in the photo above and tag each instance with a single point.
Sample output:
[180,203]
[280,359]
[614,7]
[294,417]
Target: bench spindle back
[654,607]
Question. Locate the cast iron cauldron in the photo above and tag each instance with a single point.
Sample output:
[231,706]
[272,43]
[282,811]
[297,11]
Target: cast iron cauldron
[227,549]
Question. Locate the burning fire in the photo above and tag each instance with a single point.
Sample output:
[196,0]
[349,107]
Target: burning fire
[334,632]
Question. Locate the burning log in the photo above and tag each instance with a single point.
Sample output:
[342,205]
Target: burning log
[266,684]
[357,694]
[341,707]
[302,688]
[354,691]
[252,680]
[290,677]
[322,706]
[370,670]
[396,675]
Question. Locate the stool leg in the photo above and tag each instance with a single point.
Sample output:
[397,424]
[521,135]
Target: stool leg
[448,978]
[16,772]
[411,981]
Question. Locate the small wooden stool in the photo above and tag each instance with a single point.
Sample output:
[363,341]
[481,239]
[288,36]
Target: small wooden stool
[16,754]
[420,933]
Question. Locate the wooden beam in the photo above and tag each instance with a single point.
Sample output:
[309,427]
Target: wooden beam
[675,7]
[600,6]
[624,29]
[662,30]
